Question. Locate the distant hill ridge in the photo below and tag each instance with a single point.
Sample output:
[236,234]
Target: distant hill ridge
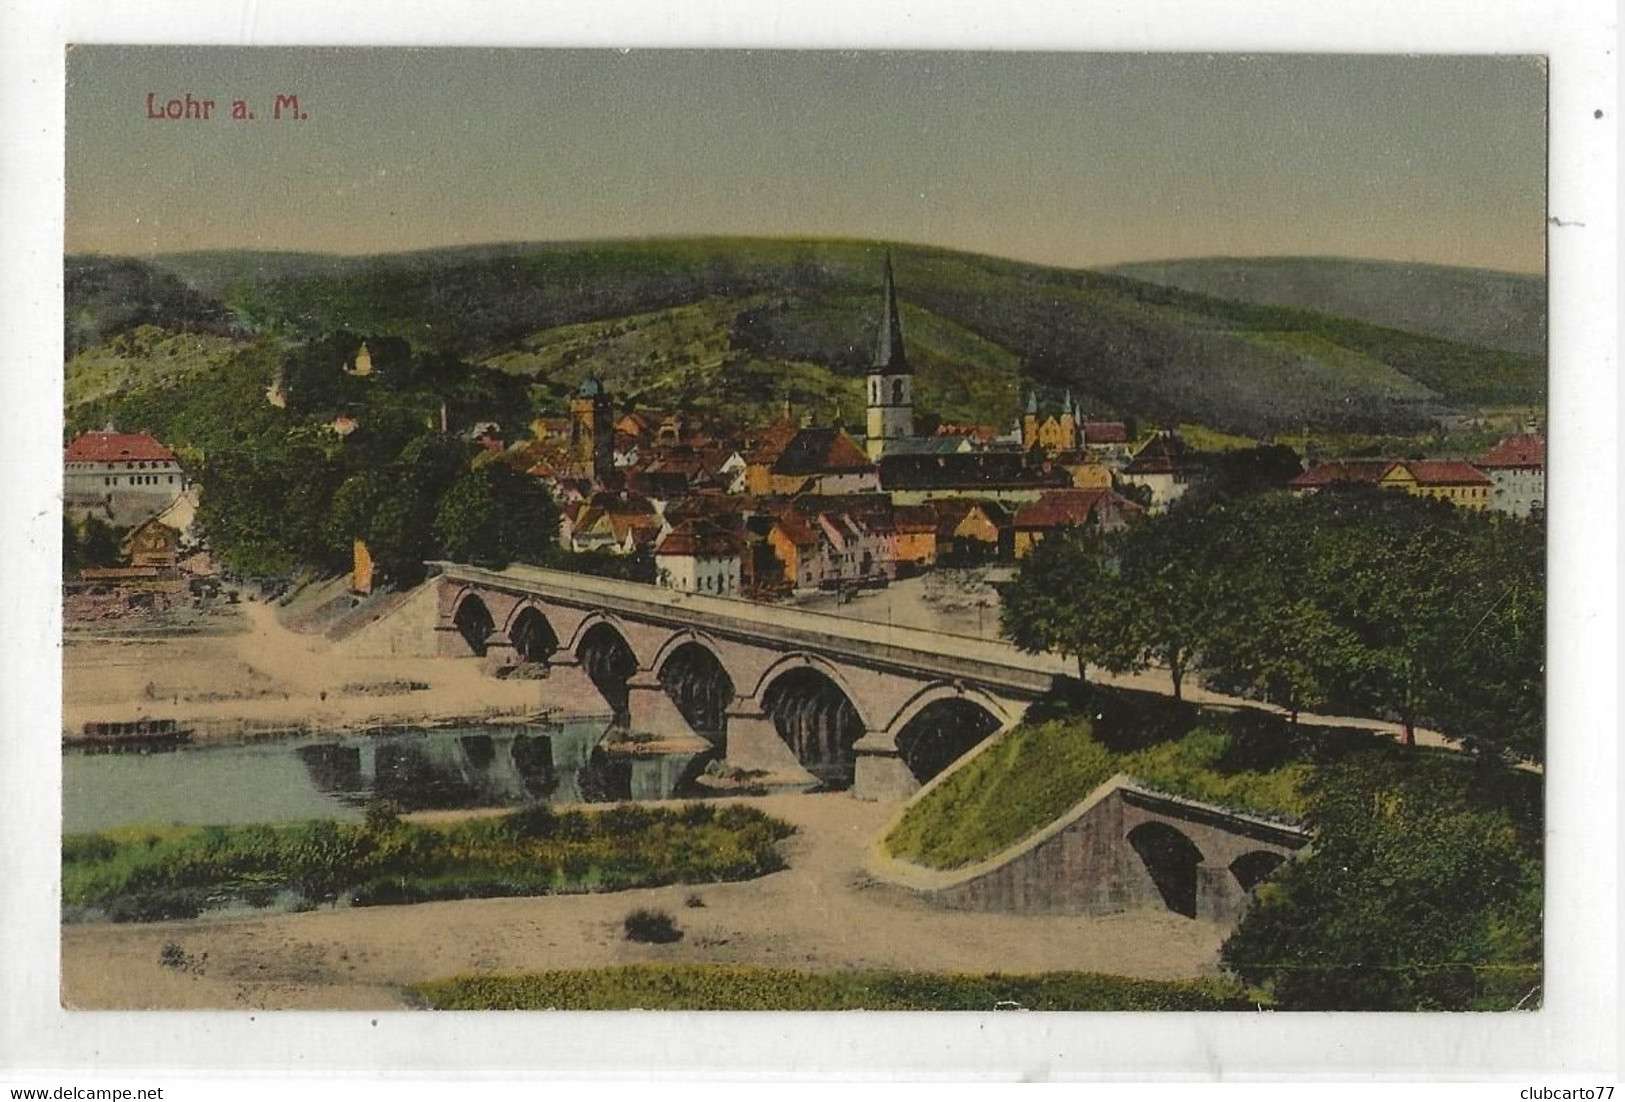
[1505,310]
[739,321]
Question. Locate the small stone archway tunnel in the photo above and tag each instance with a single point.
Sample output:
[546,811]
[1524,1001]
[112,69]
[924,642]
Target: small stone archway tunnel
[533,638]
[701,689]
[1252,869]
[818,722]
[1172,860]
[943,732]
[610,663]
[474,623]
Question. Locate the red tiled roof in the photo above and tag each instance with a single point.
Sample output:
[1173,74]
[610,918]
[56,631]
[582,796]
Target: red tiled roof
[821,450]
[796,529]
[1516,451]
[1342,471]
[694,537]
[1105,432]
[914,518]
[1060,508]
[1161,455]
[772,441]
[1446,472]
[116,447]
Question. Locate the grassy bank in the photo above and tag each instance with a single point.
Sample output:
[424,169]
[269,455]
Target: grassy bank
[1039,771]
[181,872]
[738,987]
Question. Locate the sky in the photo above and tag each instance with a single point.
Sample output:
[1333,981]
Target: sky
[1074,160]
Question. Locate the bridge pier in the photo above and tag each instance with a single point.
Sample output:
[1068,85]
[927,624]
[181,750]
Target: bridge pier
[654,724]
[881,775]
[568,688]
[754,744]
[500,653]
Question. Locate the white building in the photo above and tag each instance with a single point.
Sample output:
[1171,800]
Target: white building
[1164,467]
[1517,467]
[698,557]
[125,477]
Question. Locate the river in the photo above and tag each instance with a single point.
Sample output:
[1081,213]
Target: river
[335,776]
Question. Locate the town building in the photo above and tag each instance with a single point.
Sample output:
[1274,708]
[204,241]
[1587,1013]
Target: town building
[1452,480]
[592,432]
[121,477]
[152,543]
[1009,477]
[619,524]
[914,535]
[1050,432]
[361,367]
[1517,468]
[1091,510]
[819,459]
[973,531]
[700,556]
[1164,467]
[890,381]
[1108,441]
[1334,473]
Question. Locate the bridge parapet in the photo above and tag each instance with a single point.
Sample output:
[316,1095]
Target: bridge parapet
[881,678]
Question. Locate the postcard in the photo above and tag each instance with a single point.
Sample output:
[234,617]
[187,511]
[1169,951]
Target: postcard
[762,530]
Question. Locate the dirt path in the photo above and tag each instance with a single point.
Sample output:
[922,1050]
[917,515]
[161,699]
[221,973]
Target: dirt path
[821,914]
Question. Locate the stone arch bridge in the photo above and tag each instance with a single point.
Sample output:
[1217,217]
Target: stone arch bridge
[794,694]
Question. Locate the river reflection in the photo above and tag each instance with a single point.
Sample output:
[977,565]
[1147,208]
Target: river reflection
[335,776]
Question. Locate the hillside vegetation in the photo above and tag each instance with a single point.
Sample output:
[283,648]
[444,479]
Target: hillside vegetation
[1038,772]
[1502,310]
[743,322]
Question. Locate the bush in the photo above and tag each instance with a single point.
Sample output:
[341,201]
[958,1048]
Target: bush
[382,816]
[656,927]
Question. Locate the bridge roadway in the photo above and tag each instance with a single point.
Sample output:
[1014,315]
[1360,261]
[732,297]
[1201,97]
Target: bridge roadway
[790,693]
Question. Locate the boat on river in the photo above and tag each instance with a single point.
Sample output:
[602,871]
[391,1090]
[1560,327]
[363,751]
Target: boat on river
[138,735]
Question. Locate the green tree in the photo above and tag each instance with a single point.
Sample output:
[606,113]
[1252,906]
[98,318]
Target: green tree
[72,558]
[1420,893]
[1166,588]
[1067,598]
[494,515]
[101,543]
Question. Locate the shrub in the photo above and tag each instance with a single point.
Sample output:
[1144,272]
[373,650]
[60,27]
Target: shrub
[534,821]
[656,927]
[382,815]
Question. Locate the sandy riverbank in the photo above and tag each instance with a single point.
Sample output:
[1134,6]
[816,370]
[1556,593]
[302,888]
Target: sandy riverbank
[821,914]
[250,673]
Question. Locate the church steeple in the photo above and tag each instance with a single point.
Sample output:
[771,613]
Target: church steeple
[891,380]
[890,357]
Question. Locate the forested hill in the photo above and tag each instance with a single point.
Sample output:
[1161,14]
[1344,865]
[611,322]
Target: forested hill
[1505,310]
[738,323]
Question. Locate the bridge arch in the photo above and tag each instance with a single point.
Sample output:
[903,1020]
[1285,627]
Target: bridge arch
[817,718]
[1253,868]
[942,724]
[686,637]
[531,633]
[473,620]
[1172,859]
[692,673]
[609,661]
[801,660]
[601,617]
